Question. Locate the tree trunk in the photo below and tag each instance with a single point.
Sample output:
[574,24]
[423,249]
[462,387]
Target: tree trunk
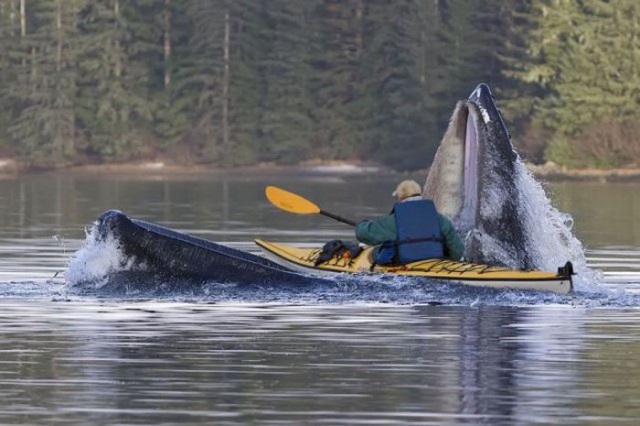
[634,42]
[116,13]
[225,88]
[59,35]
[359,37]
[23,18]
[167,43]
[12,17]
[23,26]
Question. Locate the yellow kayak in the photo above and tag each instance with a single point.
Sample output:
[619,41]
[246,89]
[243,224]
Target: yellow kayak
[303,259]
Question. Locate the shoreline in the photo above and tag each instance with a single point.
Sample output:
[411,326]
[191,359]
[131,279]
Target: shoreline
[547,172]
[554,173]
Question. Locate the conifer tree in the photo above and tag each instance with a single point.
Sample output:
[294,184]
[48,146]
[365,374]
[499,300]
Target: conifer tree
[9,38]
[284,129]
[197,84]
[398,126]
[113,102]
[584,57]
[43,121]
[246,91]
[472,42]
[337,78]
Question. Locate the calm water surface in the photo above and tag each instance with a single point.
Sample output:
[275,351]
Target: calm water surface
[476,359]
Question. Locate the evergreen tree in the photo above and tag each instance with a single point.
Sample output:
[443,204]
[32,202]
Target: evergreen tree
[113,102]
[517,98]
[44,91]
[398,126]
[428,58]
[584,57]
[237,82]
[9,38]
[337,78]
[472,41]
[285,127]
[246,85]
[460,52]
[197,85]
[172,112]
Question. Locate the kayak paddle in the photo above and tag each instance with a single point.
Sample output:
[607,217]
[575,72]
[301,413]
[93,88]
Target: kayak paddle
[293,203]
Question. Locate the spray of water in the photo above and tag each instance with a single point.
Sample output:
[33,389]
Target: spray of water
[553,242]
[99,257]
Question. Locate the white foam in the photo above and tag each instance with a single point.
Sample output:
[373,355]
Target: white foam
[553,242]
[96,260]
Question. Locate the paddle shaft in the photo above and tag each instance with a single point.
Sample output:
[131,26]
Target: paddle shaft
[336,217]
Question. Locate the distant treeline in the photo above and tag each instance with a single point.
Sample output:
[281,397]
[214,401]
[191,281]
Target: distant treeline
[236,82]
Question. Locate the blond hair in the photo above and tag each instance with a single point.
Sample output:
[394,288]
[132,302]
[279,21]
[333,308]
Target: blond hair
[407,188]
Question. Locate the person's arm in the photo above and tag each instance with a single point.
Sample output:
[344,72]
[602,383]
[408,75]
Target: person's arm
[377,231]
[452,241]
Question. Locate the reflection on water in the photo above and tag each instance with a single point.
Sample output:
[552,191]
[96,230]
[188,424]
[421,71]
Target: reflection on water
[71,359]
[605,215]
[169,363]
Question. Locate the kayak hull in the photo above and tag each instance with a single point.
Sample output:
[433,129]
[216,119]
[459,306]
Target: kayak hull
[303,260]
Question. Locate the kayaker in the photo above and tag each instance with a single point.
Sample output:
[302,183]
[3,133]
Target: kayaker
[413,231]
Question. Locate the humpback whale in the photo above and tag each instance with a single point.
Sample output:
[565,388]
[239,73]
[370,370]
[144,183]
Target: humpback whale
[150,253]
[477,180]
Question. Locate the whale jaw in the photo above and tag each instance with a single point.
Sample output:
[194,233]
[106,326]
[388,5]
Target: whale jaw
[474,182]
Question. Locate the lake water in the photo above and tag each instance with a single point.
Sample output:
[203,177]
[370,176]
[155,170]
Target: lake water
[399,355]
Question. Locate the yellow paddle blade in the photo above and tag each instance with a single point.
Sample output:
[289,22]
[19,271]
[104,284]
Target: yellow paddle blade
[290,202]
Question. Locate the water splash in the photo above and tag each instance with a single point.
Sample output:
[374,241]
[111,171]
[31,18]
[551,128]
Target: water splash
[552,233]
[99,257]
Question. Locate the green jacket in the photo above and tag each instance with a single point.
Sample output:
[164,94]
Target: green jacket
[377,231]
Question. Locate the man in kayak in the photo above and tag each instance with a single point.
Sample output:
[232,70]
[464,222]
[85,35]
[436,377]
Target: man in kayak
[413,231]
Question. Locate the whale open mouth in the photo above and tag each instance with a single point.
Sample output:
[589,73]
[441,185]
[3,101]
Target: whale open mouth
[476,135]
[472,179]
[453,178]
[470,165]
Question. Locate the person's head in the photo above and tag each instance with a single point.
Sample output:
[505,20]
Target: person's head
[406,189]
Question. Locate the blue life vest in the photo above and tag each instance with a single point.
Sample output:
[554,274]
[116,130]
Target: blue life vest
[418,229]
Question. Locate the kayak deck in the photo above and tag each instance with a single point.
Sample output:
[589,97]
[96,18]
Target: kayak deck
[303,260]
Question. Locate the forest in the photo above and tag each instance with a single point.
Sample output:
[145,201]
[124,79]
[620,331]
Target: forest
[240,82]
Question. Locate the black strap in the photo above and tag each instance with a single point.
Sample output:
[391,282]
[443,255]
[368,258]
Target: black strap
[419,240]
